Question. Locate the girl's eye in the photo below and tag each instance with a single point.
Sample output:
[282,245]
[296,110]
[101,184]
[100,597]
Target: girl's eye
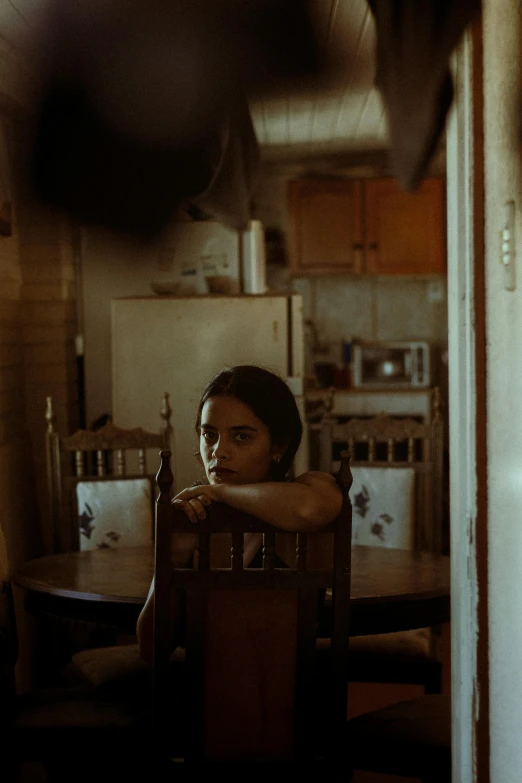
[207,435]
[242,437]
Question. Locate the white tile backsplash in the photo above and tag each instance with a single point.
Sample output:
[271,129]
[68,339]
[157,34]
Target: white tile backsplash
[404,311]
[344,308]
[372,308]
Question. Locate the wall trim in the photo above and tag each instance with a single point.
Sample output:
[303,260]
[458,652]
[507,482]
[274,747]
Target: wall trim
[467,417]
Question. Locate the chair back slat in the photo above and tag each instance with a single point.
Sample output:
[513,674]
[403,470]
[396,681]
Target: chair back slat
[79,462]
[301,551]
[371,449]
[204,552]
[250,636]
[237,551]
[100,464]
[268,551]
[120,462]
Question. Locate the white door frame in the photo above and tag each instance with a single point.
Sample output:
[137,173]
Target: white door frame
[464,467]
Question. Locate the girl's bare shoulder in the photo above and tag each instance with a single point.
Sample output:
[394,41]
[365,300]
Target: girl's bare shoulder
[317,478]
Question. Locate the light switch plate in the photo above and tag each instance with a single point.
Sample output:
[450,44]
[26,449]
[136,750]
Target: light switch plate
[507,245]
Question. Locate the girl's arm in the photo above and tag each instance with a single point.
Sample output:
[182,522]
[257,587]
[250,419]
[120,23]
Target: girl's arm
[308,503]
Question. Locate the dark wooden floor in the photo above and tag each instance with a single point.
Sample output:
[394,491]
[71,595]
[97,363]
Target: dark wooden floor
[367,696]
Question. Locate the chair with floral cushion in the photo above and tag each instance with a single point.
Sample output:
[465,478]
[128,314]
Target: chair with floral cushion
[101,495]
[100,488]
[397,468]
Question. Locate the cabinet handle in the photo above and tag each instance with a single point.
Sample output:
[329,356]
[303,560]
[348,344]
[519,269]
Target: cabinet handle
[358,246]
[372,245]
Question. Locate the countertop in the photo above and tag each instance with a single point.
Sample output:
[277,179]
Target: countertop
[371,402]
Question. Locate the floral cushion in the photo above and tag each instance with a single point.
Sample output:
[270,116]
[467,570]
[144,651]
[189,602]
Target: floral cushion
[113,514]
[383,507]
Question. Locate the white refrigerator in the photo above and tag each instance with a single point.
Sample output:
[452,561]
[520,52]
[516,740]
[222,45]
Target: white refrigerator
[176,344]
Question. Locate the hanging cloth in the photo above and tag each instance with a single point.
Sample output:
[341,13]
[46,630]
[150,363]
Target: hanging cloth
[228,197]
[415,39]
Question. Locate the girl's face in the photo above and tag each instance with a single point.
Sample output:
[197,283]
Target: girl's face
[234,444]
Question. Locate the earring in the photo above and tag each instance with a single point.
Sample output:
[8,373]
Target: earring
[277,460]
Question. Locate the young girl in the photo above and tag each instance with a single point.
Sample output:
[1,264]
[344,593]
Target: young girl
[249,430]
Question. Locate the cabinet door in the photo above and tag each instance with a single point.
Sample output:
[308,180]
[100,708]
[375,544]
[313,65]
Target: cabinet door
[405,232]
[325,226]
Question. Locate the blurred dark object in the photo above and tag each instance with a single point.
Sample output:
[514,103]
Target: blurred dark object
[415,39]
[228,197]
[275,246]
[101,421]
[325,374]
[143,105]
[101,176]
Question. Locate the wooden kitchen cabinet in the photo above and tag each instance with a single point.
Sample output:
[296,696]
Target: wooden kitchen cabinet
[325,226]
[404,232]
[349,226]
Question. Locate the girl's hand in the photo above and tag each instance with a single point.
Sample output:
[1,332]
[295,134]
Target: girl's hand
[193,500]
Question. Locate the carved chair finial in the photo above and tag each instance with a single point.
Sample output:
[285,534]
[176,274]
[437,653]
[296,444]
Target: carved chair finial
[345,474]
[164,477]
[166,410]
[165,413]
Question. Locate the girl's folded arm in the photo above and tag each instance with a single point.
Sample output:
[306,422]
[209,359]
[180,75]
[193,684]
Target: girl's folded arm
[308,503]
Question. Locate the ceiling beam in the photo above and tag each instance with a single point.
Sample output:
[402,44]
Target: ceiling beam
[334,155]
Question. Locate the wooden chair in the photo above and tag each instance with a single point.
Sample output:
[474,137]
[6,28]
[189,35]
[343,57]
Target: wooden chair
[101,495]
[73,733]
[406,445]
[410,738]
[251,674]
[98,457]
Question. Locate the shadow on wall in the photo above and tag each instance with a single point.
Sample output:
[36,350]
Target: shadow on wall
[20,529]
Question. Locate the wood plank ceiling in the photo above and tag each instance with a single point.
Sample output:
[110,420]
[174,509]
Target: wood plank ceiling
[17,22]
[342,113]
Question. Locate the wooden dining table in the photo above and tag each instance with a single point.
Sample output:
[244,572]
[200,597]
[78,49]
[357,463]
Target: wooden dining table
[392,589]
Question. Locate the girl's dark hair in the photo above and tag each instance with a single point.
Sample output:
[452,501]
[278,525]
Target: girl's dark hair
[268,396]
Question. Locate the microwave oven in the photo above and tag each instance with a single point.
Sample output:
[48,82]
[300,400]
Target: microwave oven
[393,365]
